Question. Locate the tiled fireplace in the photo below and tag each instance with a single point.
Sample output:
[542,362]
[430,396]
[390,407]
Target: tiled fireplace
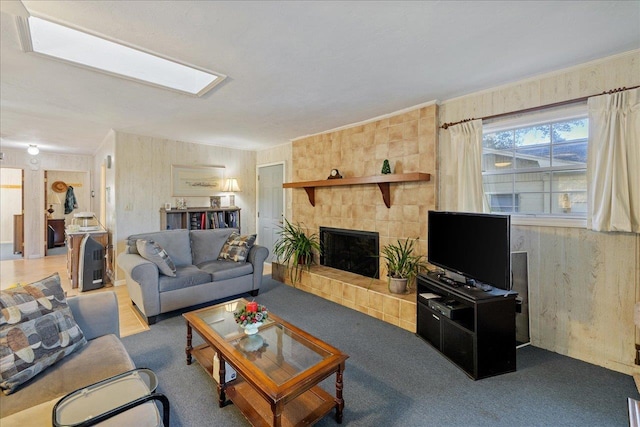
[355,251]
[409,141]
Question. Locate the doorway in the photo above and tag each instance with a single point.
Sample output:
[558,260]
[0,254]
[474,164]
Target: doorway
[11,214]
[60,185]
[270,205]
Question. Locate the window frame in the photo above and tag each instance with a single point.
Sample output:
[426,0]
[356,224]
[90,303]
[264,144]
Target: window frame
[546,117]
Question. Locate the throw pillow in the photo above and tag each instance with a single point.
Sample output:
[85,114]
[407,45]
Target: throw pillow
[153,252]
[237,247]
[37,329]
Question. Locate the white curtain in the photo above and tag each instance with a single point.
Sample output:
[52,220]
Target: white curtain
[613,162]
[461,163]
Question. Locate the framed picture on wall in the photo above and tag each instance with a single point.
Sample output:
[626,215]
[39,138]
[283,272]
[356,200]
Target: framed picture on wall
[216,202]
[196,181]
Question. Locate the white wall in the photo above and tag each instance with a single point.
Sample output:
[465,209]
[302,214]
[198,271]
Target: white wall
[10,201]
[81,183]
[582,285]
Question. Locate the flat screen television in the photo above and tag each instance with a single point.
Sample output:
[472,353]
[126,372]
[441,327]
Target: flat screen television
[477,246]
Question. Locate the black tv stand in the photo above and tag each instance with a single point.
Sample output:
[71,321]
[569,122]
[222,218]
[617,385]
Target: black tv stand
[448,281]
[473,328]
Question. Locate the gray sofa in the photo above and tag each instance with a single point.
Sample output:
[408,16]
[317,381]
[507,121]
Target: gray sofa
[200,276]
[102,357]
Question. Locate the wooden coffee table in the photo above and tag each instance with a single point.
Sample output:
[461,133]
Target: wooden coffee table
[278,369]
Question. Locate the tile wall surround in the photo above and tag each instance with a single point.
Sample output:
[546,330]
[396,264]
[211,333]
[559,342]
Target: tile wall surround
[408,140]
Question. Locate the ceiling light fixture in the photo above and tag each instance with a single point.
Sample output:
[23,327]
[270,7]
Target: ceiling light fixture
[86,50]
[33,149]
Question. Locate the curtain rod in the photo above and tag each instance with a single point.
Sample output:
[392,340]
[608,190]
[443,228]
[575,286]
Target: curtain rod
[540,107]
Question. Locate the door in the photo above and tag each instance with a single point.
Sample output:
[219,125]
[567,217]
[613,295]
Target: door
[270,205]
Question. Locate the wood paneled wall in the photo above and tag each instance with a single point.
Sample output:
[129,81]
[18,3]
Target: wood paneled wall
[583,285]
[143,181]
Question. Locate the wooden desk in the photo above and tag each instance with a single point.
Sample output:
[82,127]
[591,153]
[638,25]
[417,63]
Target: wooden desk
[73,252]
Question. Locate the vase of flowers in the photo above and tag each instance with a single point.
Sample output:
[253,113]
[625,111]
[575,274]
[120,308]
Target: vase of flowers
[251,317]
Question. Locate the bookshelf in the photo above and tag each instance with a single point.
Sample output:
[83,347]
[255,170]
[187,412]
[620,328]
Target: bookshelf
[200,218]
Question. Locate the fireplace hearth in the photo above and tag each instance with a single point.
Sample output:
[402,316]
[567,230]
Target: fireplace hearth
[350,250]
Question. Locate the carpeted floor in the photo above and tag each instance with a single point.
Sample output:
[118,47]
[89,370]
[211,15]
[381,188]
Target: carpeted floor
[393,378]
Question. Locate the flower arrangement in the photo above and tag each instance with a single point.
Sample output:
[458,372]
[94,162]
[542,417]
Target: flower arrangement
[251,313]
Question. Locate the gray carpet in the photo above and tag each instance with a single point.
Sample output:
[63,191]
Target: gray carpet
[393,378]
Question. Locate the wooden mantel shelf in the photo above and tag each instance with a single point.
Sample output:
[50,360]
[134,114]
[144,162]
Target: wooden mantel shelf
[383,182]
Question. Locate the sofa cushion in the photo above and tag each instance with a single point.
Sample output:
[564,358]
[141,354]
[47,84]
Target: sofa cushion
[185,277]
[37,330]
[99,359]
[237,247]
[206,244]
[153,252]
[223,270]
[175,242]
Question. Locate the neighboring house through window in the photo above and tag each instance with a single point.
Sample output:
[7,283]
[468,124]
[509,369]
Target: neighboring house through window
[537,166]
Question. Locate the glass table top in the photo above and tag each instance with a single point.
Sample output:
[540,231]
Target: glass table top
[80,406]
[278,351]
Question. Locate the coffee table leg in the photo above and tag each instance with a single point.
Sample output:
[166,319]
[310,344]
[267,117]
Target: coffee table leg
[188,349]
[277,408]
[222,398]
[339,399]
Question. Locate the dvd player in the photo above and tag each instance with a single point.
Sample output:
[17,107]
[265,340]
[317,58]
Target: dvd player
[448,308]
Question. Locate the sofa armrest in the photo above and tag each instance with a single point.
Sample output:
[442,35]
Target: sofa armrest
[142,277]
[257,256]
[96,314]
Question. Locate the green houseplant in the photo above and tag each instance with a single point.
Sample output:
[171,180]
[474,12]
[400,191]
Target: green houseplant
[402,264]
[295,248]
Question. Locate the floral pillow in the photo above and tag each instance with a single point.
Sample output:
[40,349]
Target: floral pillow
[37,329]
[237,247]
[153,252]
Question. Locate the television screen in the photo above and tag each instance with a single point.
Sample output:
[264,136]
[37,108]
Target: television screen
[477,246]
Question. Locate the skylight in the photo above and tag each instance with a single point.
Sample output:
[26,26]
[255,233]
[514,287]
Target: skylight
[67,44]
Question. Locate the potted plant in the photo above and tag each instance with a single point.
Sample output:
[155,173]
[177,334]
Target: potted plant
[295,248]
[402,265]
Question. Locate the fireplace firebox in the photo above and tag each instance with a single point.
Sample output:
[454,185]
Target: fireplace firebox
[350,250]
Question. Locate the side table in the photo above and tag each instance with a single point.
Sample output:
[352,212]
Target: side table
[108,398]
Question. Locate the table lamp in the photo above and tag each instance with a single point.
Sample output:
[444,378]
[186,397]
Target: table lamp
[231,186]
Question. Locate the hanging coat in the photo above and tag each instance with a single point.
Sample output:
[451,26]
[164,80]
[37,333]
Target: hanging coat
[70,202]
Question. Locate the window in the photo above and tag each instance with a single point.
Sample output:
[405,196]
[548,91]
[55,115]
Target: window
[504,202]
[537,168]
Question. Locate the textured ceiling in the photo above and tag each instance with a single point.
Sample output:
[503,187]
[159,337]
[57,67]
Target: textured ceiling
[295,68]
